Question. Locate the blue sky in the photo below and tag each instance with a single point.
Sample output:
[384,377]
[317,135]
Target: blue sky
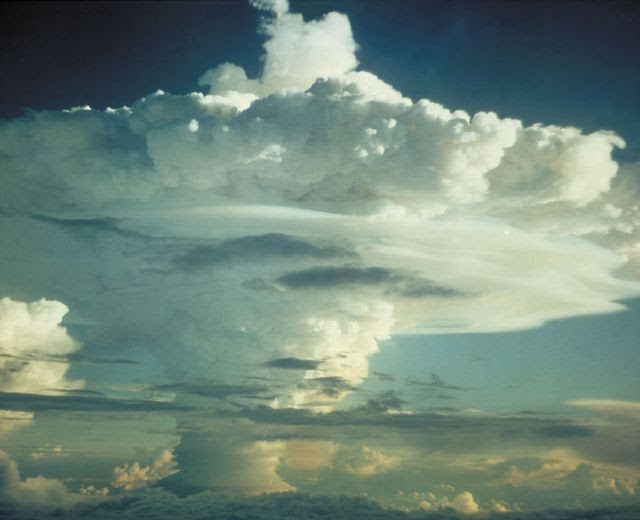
[377,249]
[534,370]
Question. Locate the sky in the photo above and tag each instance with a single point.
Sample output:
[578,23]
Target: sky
[320,259]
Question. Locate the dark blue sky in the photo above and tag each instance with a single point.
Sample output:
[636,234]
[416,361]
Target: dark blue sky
[567,63]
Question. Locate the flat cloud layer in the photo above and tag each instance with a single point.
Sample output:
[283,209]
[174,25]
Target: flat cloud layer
[293,221]
[297,506]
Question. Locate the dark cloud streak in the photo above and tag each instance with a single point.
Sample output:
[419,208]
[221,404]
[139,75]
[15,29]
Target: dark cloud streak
[393,282]
[79,403]
[254,248]
[293,363]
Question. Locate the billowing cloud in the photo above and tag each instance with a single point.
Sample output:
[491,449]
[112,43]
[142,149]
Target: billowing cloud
[462,502]
[135,476]
[29,334]
[227,459]
[34,493]
[296,54]
[280,228]
[367,461]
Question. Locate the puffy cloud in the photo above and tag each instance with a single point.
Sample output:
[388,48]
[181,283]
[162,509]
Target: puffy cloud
[465,503]
[33,345]
[368,461]
[296,53]
[562,475]
[135,476]
[500,507]
[34,493]
[549,164]
[462,502]
[92,490]
[617,486]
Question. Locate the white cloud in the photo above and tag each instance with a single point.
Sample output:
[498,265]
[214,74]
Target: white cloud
[31,336]
[135,476]
[463,502]
[478,205]
[296,54]
[447,222]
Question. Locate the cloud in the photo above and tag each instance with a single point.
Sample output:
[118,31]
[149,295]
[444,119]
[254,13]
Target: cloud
[320,277]
[307,214]
[69,358]
[292,363]
[49,451]
[327,386]
[435,383]
[88,227]
[34,493]
[462,503]
[561,476]
[215,390]
[379,412]
[12,420]
[296,54]
[385,401]
[397,283]
[384,376]
[29,331]
[309,454]
[612,407]
[367,462]
[229,460]
[135,476]
[253,248]
[81,403]
[160,504]
[92,490]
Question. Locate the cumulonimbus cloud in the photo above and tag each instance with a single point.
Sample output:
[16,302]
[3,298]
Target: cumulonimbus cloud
[306,214]
[394,215]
